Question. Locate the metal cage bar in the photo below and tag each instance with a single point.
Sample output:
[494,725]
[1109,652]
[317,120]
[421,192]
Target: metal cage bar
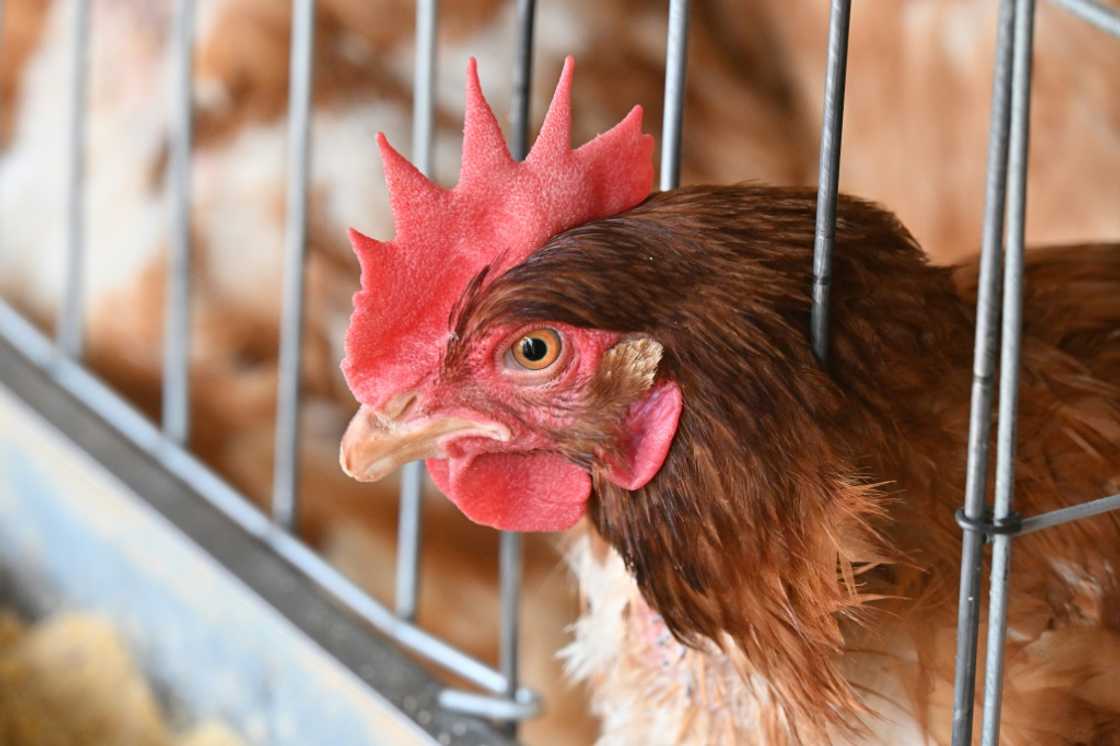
[176,337]
[71,331]
[509,549]
[409,538]
[676,62]
[509,581]
[410,523]
[2,18]
[516,703]
[983,372]
[1105,18]
[285,479]
[522,101]
[1007,173]
[828,175]
[1009,363]
[1073,513]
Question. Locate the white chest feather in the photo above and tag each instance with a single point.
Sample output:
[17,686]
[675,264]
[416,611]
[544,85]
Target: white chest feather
[648,688]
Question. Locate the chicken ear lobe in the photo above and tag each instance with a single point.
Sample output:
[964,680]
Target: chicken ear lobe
[647,434]
[650,423]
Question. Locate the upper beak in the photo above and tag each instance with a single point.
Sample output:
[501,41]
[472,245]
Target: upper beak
[375,444]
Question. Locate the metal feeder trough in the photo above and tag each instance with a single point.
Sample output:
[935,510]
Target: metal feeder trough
[223,624]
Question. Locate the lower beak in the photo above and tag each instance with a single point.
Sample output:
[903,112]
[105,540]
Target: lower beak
[374,445]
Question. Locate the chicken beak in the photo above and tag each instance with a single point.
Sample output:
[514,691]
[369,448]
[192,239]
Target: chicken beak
[375,444]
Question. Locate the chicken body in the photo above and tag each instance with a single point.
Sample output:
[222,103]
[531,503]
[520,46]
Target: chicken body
[790,574]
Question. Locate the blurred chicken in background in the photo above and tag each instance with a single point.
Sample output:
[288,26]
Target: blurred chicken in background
[915,130]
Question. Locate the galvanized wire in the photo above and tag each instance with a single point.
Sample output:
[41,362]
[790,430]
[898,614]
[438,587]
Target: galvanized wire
[676,59]
[983,372]
[522,79]
[828,175]
[176,333]
[409,526]
[1068,515]
[509,550]
[70,331]
[409,536]
[509,576]
[424,84]
[1009,364]
[286,458]
[1105,18]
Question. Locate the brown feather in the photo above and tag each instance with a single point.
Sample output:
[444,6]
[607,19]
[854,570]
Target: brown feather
[793,495]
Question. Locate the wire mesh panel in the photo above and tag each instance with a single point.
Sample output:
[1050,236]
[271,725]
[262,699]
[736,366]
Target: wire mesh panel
[502,697]
[1009,362]
[987,314]
[1007,172]
[1007,176]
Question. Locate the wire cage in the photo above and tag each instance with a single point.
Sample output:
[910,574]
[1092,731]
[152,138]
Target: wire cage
[499,693]
[999,321]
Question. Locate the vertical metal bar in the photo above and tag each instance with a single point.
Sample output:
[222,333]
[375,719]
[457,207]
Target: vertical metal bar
[1,24]
[409,533]
[828,175]
[987,334]
[424,85]
[676,59]
[285,475]
[523,79]
[1009,365]
[983,372]
[176,333]
[408,541]
[509,551]
[509,574]
[70,330]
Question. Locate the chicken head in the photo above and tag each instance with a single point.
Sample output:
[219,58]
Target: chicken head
[511,417]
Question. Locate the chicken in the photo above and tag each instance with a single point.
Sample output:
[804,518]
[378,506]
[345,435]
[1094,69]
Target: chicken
[752,111]
[766,546]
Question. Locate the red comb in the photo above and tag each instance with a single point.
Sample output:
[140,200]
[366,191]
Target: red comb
[499,213]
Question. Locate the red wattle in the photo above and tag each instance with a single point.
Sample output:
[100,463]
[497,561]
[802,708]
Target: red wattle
[535,491]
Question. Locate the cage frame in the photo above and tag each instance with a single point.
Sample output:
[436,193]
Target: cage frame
[999,319]
[501,695]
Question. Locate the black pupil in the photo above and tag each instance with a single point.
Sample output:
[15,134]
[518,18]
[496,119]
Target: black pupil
[534,349]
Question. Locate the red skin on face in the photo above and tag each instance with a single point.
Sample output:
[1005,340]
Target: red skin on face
[498,214]
[522,484]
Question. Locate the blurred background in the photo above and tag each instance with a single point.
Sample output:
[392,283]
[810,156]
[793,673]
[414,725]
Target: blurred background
[915,139]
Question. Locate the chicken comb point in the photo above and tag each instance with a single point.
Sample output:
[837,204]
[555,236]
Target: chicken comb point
[407,187]
[555,137]
[499,213]
[484,147]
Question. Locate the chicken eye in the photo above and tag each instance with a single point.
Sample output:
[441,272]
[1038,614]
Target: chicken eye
[536,350]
